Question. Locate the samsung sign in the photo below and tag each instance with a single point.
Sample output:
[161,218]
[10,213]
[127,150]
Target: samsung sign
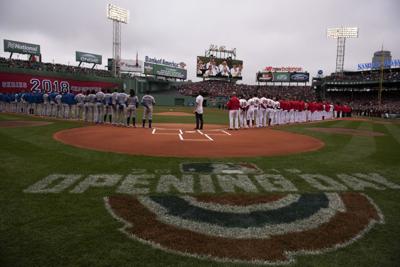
[377,65]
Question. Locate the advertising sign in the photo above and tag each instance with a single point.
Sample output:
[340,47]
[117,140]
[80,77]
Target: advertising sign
[18,82]
[377,65]
[164,71]
[21,48]
[281,76]
[283,69]
[264,76]
[219,67]
[299,77]
[88,57]
[130,65]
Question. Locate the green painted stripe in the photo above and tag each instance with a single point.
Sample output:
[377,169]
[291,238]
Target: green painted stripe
[394,131]
[359,147]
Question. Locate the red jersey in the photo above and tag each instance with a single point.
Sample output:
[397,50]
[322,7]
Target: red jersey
[327,107]
[233,103]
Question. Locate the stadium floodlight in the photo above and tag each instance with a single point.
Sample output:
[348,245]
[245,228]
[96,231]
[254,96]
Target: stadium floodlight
[341,34]
[346,32]
[117,13]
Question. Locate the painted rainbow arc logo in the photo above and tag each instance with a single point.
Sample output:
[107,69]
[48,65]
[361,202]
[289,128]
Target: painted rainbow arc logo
[263,229]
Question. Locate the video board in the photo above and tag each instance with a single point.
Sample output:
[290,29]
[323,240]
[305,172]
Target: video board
[212,67]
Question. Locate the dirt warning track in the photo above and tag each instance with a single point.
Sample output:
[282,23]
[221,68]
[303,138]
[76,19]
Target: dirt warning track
[180,140]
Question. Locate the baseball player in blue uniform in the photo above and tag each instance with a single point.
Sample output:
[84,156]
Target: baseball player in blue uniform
[53,107]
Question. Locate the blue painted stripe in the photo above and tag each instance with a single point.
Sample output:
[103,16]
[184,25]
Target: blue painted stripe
[307,205]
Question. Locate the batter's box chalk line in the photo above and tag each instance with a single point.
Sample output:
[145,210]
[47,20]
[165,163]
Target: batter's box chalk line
[169,131]
[206,134]
[207,139]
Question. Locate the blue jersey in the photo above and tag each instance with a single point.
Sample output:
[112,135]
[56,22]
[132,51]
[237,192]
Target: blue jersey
[37,98]
[71,99]
[12,97]
[18,97]
[52,97]
[64,99]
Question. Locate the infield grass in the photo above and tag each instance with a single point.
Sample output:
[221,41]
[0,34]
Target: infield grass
[67,229]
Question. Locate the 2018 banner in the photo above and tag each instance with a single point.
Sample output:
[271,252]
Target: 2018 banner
[19,82]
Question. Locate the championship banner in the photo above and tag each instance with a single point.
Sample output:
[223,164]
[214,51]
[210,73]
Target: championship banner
[88,57]
[21,48]
[17,82]
[164,70]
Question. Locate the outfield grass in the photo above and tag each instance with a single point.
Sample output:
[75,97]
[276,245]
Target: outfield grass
[75,229]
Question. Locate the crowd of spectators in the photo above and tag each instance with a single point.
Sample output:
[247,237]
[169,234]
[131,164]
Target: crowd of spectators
[367,104]
[370,75]
[53,67]
[224,89]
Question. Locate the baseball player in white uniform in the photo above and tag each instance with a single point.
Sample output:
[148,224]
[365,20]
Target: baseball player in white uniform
[99,107]
[148,102]
[114,107]
[133,103]
[256,111]
[122,99]
[59,105]
[243,113]
[46,105]
[107,102]
[263,112]
[250,112]
[80,104]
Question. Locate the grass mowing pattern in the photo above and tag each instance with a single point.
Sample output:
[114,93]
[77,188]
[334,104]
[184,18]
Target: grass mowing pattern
[75,229]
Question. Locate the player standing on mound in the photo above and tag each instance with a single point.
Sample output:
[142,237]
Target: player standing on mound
[148,102]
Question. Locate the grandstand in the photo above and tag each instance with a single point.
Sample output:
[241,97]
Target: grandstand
[360,89]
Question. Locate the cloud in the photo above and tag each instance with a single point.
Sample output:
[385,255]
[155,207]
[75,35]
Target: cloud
[265,33]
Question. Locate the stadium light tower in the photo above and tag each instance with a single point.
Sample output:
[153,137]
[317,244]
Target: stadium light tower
[118,15]
[341,34]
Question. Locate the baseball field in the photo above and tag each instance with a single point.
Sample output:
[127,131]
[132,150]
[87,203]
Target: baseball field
[92,199]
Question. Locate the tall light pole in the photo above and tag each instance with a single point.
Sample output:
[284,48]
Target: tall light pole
[341,34]
[118,15]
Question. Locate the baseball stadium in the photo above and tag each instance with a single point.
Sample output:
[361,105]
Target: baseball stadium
[147,161]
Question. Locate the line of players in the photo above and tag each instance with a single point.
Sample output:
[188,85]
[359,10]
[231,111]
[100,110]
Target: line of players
[116,108]
[263,112]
